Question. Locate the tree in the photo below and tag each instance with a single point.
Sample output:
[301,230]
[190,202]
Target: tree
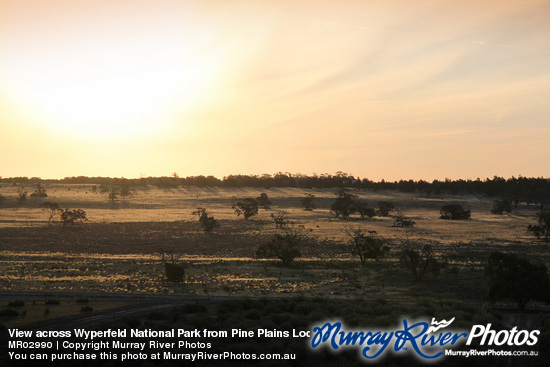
[385,207]
[344,205]
[70,216]
[516,279]
[308,203]
[113,192]
[174,271]
[263,201]
[208,223]
[52,208]
[504,205]
[542,228]
[420,261]
[21,196]
[454,212]
[39,192]
[247,207]
[2,199]
[368,246]
[125,190]
[285,247]
[364,210]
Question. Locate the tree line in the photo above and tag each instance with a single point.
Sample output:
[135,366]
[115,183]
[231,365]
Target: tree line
[530,190]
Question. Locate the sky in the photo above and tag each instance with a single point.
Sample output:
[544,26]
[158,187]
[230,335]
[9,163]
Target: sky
[387,89]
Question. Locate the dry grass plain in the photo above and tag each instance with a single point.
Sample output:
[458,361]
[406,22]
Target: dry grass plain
[118,249]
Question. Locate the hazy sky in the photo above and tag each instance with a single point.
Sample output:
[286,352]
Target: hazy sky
[379,89]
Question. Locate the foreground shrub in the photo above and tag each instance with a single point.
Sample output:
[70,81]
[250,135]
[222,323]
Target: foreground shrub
[516,279]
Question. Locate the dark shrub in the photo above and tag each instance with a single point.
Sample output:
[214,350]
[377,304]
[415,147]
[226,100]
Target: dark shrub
[454,212]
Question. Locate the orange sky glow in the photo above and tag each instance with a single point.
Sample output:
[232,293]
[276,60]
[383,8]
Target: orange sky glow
[380,89]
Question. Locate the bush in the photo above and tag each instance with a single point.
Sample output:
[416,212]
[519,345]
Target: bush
[247,207]
[208,223]
[542,228]
[39,192]
[9,312]
[385,207]
[363,209]
[368,246]
[420,261]
[399,220]
[86,309]
[516,279]
[279,219]
[454,212]
[344,205]
[21,196]
[16,303]
[504,205]
[285,247]
[70,216]
[263,201]
[308,203]
[174,272]
[52,302]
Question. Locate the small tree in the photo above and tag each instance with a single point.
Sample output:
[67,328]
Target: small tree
[174,271]
[114,191]
[517,279]
[39,192]
[125,191]
[2,199]
[385,207]
[208,223]
[21,196]
[454,212]
[308,203]
[364,210]
[285,247]
[542,228]
[263,201]
[420,261]
[52,209]
[365,246]
[279,219]
[400,220]
[247,207]
[344,205]
[70,216]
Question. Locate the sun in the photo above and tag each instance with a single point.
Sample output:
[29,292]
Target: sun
[116,103]
[110,76]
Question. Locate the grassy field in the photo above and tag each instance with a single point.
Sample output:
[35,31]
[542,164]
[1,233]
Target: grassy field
[118,249]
